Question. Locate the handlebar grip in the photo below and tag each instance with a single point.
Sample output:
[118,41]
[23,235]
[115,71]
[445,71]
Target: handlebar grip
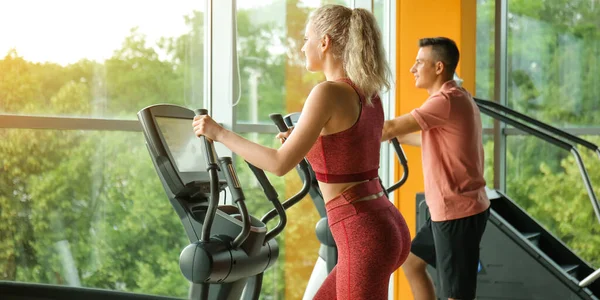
[288,121]
[279,122]
[209,147]
[201,112]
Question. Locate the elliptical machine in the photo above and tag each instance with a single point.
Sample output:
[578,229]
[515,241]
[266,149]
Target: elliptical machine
[230,249]
[327,258]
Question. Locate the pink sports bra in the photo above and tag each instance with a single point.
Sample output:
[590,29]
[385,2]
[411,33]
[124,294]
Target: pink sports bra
[353,154]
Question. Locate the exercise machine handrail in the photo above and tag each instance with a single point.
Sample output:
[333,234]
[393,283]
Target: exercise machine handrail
[212,168]
[561,133]
[562,144]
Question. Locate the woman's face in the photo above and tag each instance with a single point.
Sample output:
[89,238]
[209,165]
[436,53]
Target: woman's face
[312,50]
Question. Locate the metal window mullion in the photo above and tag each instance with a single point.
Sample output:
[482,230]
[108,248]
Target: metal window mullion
[9,121]
[388,157]
[208,42]
[255,128]
[500,91]
[223,61]
[67,123]
[388,161]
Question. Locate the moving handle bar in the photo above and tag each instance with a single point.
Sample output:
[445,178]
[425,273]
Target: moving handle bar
[234,187]
[403,161]
[238,196]
[272,195]
[302,166]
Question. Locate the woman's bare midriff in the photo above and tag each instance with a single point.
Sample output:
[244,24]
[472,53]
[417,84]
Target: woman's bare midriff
[332,190]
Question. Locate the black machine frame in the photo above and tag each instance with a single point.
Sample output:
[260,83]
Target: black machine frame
[229,248]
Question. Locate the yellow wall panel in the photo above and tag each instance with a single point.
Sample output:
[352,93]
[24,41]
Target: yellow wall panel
[417,19]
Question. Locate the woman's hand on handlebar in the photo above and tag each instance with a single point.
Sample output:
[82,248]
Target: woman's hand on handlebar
[282,136]
[206,126]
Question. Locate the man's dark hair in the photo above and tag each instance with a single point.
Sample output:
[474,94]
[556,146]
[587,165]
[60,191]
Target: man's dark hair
[444,50]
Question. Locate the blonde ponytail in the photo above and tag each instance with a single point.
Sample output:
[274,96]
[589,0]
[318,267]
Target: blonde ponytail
[364,56]
[356,39]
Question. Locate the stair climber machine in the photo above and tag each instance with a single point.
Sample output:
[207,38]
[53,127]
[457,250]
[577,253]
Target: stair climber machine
[327,258]
[230,249]
[519,259]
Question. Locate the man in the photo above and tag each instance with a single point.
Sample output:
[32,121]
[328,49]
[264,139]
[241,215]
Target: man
[452,151]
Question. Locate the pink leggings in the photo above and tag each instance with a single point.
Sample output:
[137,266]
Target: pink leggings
[372,241]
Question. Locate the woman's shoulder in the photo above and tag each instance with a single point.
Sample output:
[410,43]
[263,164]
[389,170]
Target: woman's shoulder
[331,85]
[331,90]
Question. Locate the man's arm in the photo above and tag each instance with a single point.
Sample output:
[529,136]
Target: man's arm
[399,126]
[411,139]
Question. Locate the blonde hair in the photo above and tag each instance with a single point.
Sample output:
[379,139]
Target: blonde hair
[355,37]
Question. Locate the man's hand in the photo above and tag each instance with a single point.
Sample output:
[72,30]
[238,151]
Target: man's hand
[385,135]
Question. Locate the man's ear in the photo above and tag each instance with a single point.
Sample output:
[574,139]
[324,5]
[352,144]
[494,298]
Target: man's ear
[439,67]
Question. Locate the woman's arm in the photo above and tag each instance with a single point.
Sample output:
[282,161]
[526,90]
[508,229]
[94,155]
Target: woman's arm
[316,113]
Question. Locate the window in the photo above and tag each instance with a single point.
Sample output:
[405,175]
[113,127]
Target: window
[273,79]
[104,59]
[552,50]
[86,209]
[80,202]
[553,61]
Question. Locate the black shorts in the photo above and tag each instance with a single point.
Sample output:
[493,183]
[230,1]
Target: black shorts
[452,247]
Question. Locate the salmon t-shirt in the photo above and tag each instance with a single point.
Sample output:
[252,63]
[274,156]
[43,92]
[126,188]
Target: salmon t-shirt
[452,153]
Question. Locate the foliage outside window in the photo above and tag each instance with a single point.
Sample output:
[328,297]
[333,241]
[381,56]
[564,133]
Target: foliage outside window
[86,208]
[553,50]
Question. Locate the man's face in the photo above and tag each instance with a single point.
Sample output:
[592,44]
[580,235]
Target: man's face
[425,69]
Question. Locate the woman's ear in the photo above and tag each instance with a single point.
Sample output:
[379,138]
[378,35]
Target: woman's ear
[325,43]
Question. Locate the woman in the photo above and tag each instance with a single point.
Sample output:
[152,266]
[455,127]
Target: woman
[339,131]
